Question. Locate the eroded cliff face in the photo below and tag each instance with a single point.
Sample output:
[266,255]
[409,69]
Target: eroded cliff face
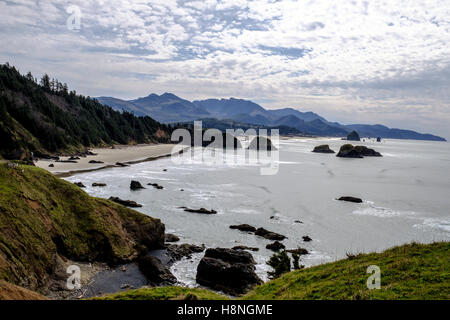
[43,218]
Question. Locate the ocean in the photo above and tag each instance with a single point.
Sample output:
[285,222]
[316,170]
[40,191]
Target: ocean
[406,197]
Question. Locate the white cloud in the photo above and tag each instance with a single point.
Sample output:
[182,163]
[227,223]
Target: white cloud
[352,61]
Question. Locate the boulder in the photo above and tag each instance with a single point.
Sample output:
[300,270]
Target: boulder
[324,148]
[306,238]
[243,227]
[245,248]
[171,237]
[95,161]
[228,270]
[79,184]
[261,143]
[275,246]
[299,251]
[155,272]
[155,185]
[350,151]
[378,139]
[120,164]
[51,165]
[126,203]
[136,185]
[99,184]
[179,251]
[269,234]
[353,136]
[350,199]
[201,210]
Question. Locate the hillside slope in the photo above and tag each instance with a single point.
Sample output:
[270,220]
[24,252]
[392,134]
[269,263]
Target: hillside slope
[44,219]
[47,118]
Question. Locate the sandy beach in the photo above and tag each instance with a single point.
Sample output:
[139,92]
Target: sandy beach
[109,156]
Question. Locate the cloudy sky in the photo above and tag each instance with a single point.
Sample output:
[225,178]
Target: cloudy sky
[350,61]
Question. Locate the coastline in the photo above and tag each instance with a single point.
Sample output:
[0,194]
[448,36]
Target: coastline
[125,154]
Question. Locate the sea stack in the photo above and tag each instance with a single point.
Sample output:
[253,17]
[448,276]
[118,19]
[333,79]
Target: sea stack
[353,136]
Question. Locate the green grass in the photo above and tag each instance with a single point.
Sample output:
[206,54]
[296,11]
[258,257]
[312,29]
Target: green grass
[164,293]
[412,271]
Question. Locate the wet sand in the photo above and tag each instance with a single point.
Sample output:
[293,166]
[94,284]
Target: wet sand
[109,156]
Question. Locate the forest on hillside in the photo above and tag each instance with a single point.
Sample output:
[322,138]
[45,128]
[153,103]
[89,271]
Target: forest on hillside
[46,117]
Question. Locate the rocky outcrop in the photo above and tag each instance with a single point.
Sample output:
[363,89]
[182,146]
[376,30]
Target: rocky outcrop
[96,161]
[324,148]
[179,251]
[261,143]
[136,185]
[269,234]
[350,199]
[99,184]
[353,136]
[228,270]
[10,291]
[350,151]
[275,246]
[171,238]
[155,185]
[201,210]
[245,248]
[155,272]
[120,164]
[79,184]
[43,217]
[243,227]
[126,203]
[299,251]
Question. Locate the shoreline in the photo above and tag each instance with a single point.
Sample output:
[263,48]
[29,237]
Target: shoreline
[124,154]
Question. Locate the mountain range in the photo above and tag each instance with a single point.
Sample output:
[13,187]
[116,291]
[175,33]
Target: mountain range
[169,108]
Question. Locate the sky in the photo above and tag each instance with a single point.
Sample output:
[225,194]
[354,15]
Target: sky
[350,61]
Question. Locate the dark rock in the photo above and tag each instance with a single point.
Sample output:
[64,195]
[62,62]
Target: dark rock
[96,161]
[171,237]
[243,227]
[155,185]
[349,151]
[179,251]
[245,248]
[297,221]
[261,143]
[275,246]
[67,161]
[350,199]
[41,155]
[228,270]
[269,234]
[136,185]
[299,251]
[353,136]
[120,164]
[164,170]
[378,139]
[74,158]
[126,203]
[51,165]
[324,148]
[306,238]
[181,189]
[79,184]
[201,210]
[155,272]
[99,184]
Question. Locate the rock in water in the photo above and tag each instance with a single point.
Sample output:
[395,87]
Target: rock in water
[136,185]
[126,203]
[269,234]
[324,148]
[228,270]
[201,210]
[179,251]
[306,238]
[275,246]
[299,251]
[261,143]
[243,227]
[155,272]
[99,184]
[79,184]
[350,151]
[350,199]
[353,136]
[245,248]
[378,139]
[96,161]
[171,237]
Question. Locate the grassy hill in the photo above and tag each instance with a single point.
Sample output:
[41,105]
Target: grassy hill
[411,271]
[46,117]
[44,219]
